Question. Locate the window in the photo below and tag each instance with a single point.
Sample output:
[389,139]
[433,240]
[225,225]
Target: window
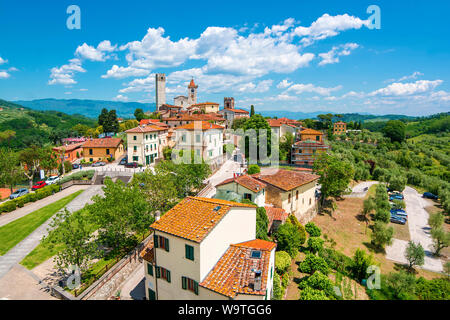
[183,138]
[309,201]
[189,284]
[151,294]
[255,254]
[134,137]
[296,195]
[163,273]
[248,196]
[289,198]
[150,269]
[317,138]
[90,152]
[146,137]
[91,159]
[135,148]
[161,242]
[197,138]
[107,151]
[189,252]
[135,159]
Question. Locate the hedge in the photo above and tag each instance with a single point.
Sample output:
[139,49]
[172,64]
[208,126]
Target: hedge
[78,176]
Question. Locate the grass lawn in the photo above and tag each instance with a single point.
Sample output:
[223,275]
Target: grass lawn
[17,230]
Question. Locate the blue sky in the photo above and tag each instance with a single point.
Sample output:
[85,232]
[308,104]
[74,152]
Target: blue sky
[277,55]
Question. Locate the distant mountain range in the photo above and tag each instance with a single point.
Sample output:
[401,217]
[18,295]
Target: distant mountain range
[92,108]
[88,108]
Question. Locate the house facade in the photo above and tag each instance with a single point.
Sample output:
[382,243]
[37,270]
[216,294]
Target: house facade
[339,128]
[231,114]
[146,143]
[242,187]
[102,149]
[206,249]
[70,152]
[291,190]
[309,145]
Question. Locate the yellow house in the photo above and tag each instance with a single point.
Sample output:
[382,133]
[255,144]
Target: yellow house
[339,128]
[102,149]
[205,107]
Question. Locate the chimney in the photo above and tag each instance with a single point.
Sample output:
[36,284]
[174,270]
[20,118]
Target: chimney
[257,280]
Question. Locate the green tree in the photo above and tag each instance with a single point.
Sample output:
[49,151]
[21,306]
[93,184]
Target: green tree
[139,114]
[415,255]
[441,239]
[262,223]
[253,168]
[282,262]
[252,111]
[288,239]
[368,207]
[436,220]
[301,229]
[315,244]
[395,130]
[313,263]
[258,124]
[335,175]
[361,261]
[277,288]
[382,235]
[402,284]
[11,173]
[397,183]
[287,140]
[313,230]
[318,281]
[309,293]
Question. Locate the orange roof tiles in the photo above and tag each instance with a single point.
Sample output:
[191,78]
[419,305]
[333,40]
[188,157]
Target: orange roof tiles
[103,143]
[275,214]
[197,126]
[69,147]
[148,253]
[146,128]
[234,272]
[194,217]
[192,84]
[246,181]
[310,131]
[286,179]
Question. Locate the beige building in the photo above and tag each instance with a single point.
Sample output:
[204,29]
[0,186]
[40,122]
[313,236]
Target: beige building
[205,249]
[279,128]
[292,191]
[146,143]
[204,107]
[102,149]
[242,187]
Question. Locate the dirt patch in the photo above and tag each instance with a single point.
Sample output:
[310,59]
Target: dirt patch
[401,231]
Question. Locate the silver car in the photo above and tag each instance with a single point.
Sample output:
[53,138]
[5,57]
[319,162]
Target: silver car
[18,193]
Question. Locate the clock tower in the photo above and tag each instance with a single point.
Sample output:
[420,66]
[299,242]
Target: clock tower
[192,93]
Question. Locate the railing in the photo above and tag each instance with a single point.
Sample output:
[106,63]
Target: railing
[205,190]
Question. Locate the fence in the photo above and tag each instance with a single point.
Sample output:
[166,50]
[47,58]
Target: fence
[206,190]
[70,183]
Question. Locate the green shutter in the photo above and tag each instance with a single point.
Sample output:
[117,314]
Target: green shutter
[196,287]
[150,269]
[155,241]
[184,283]
[189,252]
[168,275]
[151,294]
[166,244]
[158,272]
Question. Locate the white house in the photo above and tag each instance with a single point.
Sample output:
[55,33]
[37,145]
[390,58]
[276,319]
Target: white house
[145,143]
[242,187]
[204,138]
[206,249]
[231,114]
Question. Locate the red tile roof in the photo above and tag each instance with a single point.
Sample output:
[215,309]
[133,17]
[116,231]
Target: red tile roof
[192,84]
[246,181]
[69,147]
[194,217]
[148,253]
[275,214]
[286,179]
[146,128]
[310,131]
[200,125]
[234,273]
[103,143]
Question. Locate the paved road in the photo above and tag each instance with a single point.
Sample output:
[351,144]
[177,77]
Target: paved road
[419,231]
[31,207]
[358,190]
[134,286]
[21,250]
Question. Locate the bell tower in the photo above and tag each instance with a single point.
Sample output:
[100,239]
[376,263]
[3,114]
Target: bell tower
[192,93]
[160,88]
[228,103]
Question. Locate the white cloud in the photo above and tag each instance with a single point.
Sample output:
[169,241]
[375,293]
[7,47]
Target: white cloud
[414,75]
[4,75]
[403,89]
[301,88]
[121,98]
[333,55]
[328,26]
[2,61]
[88,52]
[65,73]
[262,86]
[124,72]
[284,84]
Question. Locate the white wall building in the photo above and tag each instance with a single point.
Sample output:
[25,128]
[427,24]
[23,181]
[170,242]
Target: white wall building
[146,143]
[242,187]
[206,249]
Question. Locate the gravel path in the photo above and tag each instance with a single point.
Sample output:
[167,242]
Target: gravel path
[358,190]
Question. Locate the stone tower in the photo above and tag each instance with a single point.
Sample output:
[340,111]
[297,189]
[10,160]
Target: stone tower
[192,93]
[160,88]
[228,103]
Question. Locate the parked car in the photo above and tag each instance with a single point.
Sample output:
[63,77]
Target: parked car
[75,166]
[99,164]
[399,220]
[38,185]
[399,213]
[131,165]
[52,180]
[430,195]
[396,197]
[18,193]
[124,161]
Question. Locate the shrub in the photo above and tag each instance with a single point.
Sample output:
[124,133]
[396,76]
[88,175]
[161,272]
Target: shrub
[309,293]
[282,261]
[314,263]
[435,289]
[301,229]
[277,288]
[402,285]
[382,215]
[285,280]
[361,261]
[8,206]
[288,239]
[315,244]
[381,235]
[253,168]
[337,260]
[313,230]
[318,281]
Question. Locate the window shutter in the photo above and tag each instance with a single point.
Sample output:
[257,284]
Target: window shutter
[196,287]
[183,282]
[168,275]
[166,244]
[155,241]
[158,272]
[150,269]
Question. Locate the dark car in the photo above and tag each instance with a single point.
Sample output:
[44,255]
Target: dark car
[131,165]
[430,195]
[123,162]
[75,166]
[395,197]
[18,193]
[399,212]
[399,220]
[38,185]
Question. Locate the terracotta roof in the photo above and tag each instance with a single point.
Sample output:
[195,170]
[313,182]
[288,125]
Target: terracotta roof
[310,131]
[194,117]
[155,122]
[234,272]
[103,143]
[340,122]
[202,104]
[246,181]
[146,128]
[69,147]
[148,253]
[286,179]
[275,214]
[194,217]
[197,126]
[192,84]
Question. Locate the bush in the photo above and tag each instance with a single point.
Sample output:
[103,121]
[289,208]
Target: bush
[277,288]
[381,235]
[253,168]
[313,230]
[318,281]
[361,261]
[282,261]
[315,244]
[337,260]
[8,206]
[435,289]
[402,285]
[314,263]
[309,293]
[288,239]
[301,229]
[285,280]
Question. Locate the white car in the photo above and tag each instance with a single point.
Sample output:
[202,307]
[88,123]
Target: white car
[52,180]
